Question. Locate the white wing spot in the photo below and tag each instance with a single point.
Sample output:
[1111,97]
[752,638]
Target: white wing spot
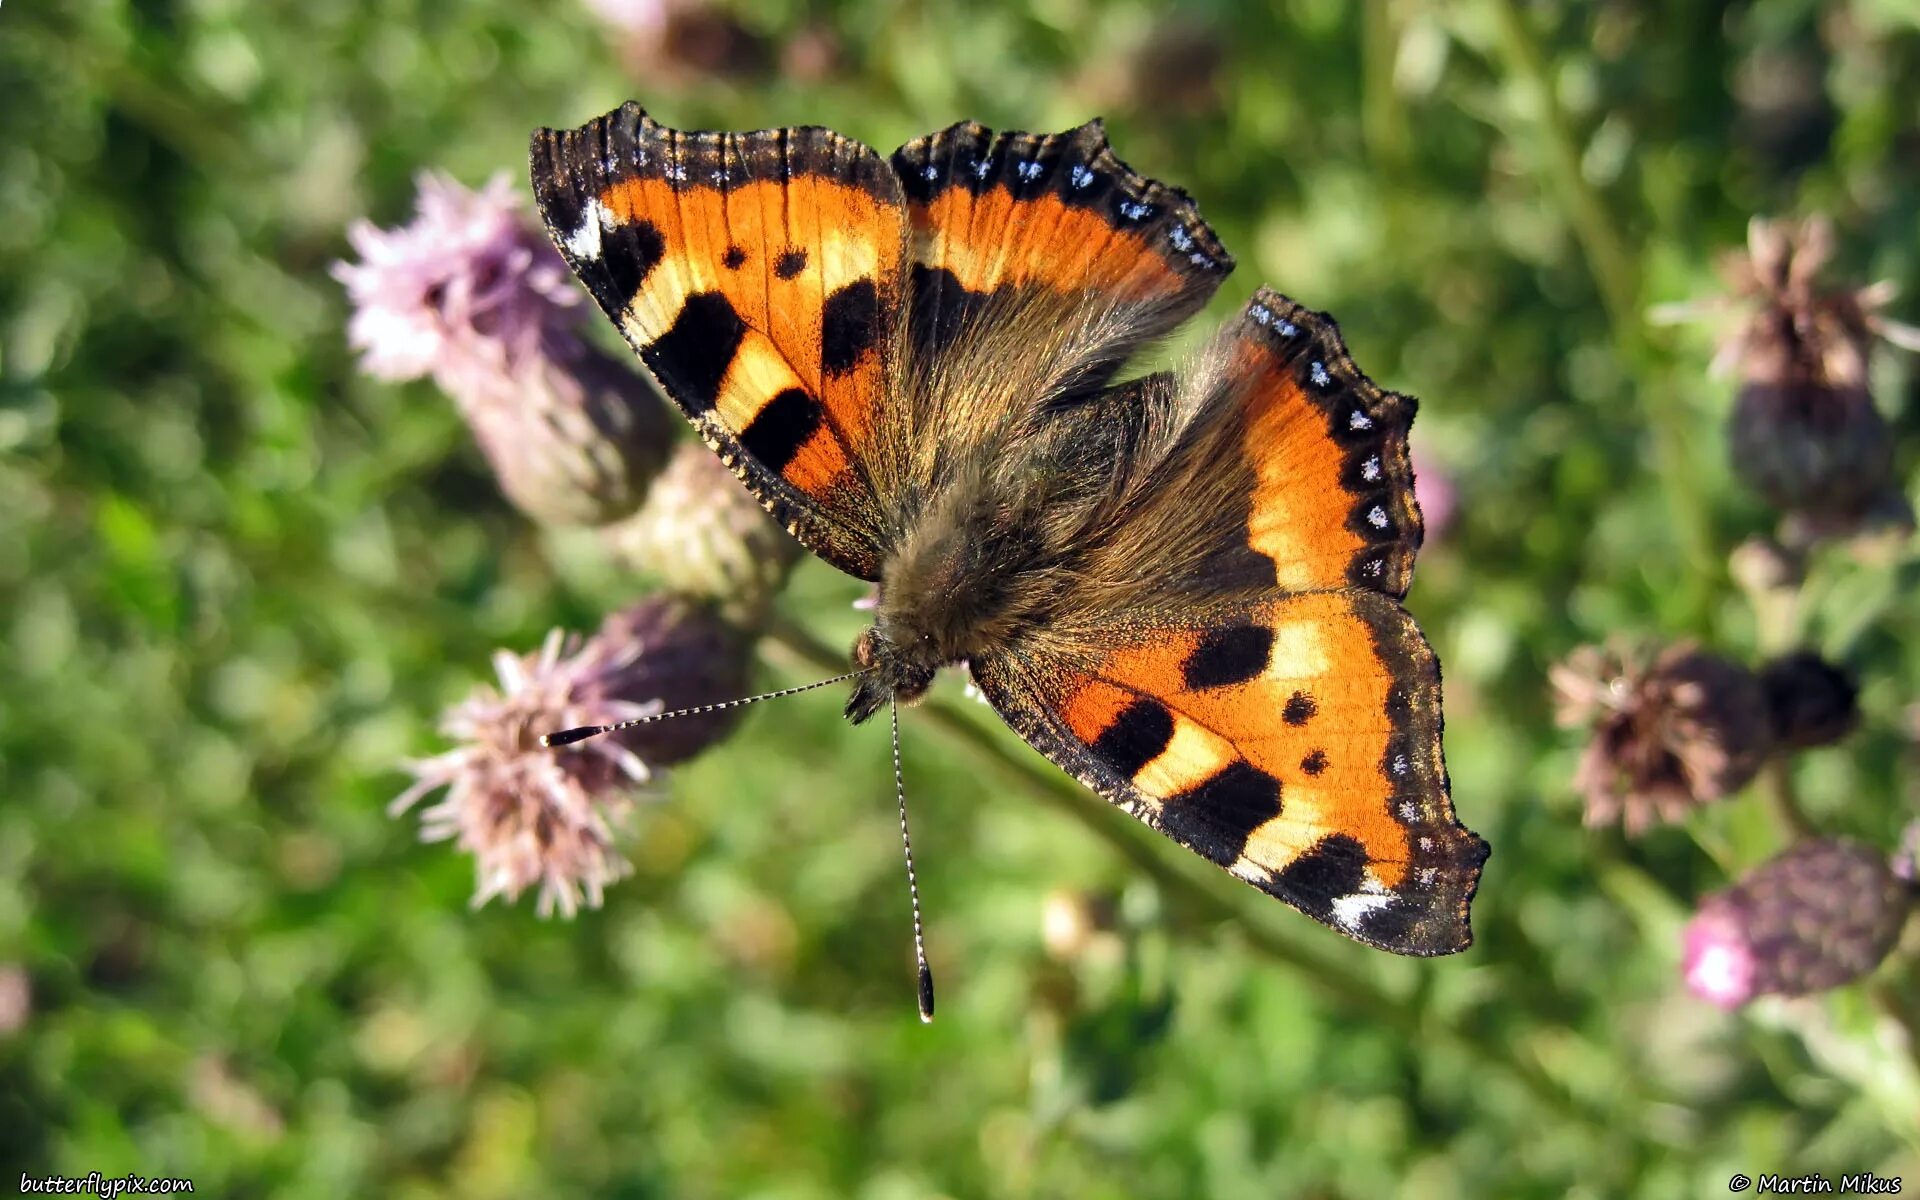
[1399,764]
[1359,420]
[1029,171]
[1426,843]
[1427,875]
[1080,177]
[584,242]
[1260,315]
[1373,568]
[1288,329]
[1349,910]
[1133,210]
[1370,470]
[1377,517]
[1409,811]
[1318,372]
[981,168]
[677,173]
[929,172]
[1181,239]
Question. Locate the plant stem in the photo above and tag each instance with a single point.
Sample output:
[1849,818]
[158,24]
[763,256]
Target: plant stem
[1344,987]
[1616,276]
[1776,784]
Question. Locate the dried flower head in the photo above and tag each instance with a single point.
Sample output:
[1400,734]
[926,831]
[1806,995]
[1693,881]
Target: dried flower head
[1668,732]
[472,295]
[534,816]
[1805,433]
[1820,915]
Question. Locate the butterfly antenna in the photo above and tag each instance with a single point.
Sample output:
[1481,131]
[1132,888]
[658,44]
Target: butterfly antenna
[913,883]
[567,737]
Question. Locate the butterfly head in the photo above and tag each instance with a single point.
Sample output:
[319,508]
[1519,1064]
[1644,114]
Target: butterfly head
[888,671]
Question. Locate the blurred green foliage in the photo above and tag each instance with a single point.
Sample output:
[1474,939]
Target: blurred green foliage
[238,582]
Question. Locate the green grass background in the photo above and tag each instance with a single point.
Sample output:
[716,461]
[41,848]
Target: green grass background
[238,581]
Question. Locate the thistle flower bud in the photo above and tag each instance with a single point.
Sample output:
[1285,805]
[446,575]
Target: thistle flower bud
[536,816]
[705,535]
[1811,701]
[472,294]
[1820,915]
[1668,732]
[678,648]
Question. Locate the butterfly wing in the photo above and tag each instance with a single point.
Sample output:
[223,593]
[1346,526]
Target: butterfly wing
[758,277]
[1265,700]
[1295,743]
[1036,265]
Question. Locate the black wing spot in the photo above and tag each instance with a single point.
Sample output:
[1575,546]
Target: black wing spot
[1314,763]
[1299,710]
[734,258]
[849,326]
[1136,737]
[629,254]
[1227,656]
[1332,867]
[777,432]
[790,264]
[941,308]
[1226,809]
[692,357]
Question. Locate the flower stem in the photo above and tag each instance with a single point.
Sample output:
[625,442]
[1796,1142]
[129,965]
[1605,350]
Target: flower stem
[1776,785]
[1202,903]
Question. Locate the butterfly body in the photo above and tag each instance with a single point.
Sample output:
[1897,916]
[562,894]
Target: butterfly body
[1183,588]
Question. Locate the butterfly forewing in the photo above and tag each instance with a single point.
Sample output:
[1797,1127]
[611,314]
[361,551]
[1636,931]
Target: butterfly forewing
[758,277]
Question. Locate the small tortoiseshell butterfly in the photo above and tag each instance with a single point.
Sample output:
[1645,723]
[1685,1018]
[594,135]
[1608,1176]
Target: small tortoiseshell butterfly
[1182,588]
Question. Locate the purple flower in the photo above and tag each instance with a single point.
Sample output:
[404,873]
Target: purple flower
[466,292]
[1818,916]
[1717,963]
[534,816]
[472,295]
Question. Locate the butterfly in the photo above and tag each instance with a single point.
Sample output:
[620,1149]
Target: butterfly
[1182,587]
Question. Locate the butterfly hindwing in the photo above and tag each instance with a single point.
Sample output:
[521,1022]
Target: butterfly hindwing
[1294,742]
[1332,502]
[757,276]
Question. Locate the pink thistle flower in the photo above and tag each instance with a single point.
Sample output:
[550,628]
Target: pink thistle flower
[538,817]
[470,293]
[1815,917]
[1716,962]
[466,292]
[531,816]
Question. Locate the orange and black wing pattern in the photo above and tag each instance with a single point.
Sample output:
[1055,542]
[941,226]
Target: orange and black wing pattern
[1293,741]
[758,276]
[1332,502]
[1020,229]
